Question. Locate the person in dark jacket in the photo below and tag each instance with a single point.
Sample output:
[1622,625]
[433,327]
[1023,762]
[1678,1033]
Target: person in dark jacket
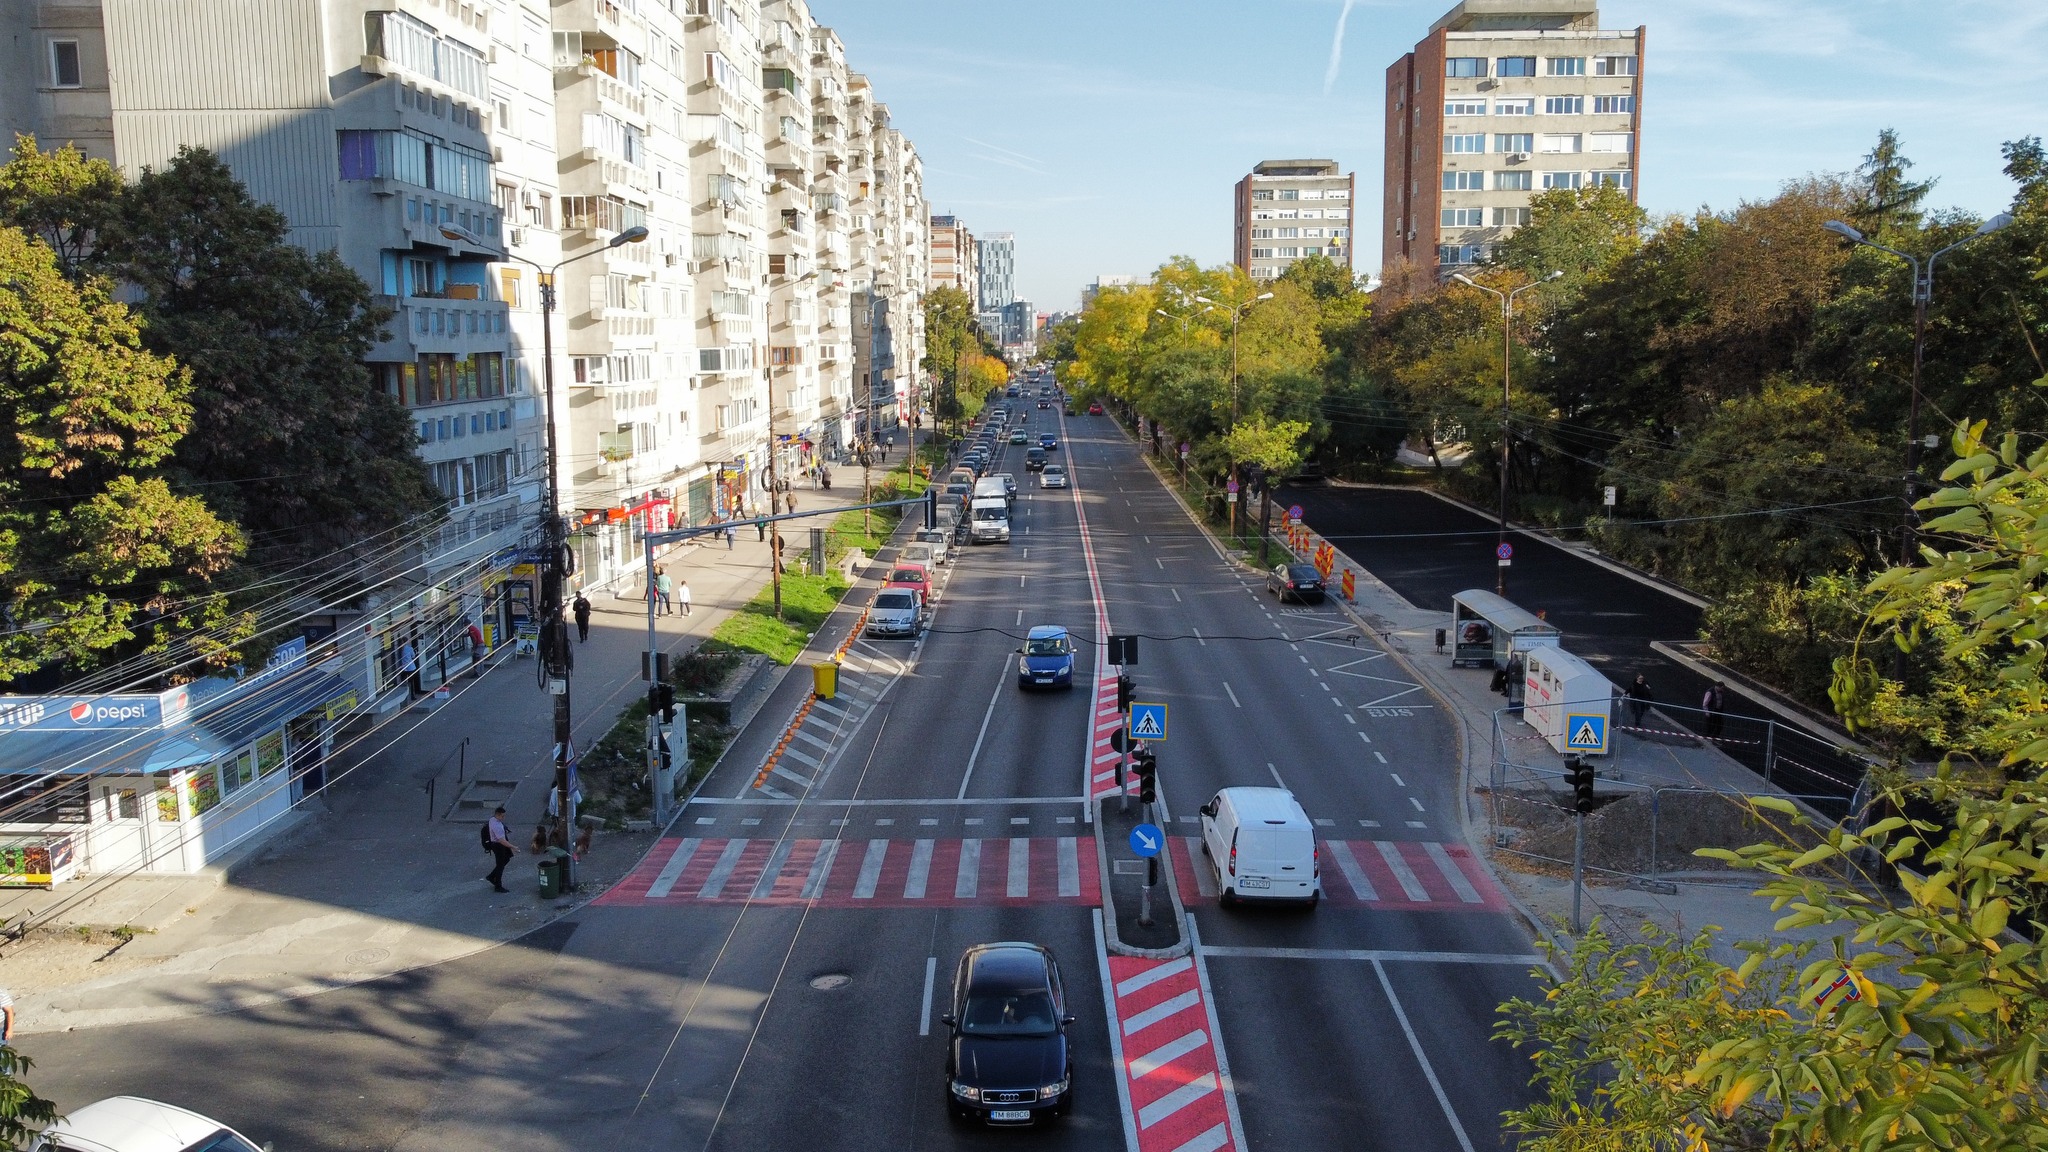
[581,610]
[1639,700]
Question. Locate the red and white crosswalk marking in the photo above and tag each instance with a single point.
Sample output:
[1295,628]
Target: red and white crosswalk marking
[1179,1094]
[1388,874]
[1102,757]
[876,873]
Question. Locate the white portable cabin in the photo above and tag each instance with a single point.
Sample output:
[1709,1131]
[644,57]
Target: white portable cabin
[1487,630]
[1568,702]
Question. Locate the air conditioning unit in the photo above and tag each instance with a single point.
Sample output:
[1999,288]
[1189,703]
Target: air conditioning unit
[1518,157]
[670,259]
[518,236]
[497,153]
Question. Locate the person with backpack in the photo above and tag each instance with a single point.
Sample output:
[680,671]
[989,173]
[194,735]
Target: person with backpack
[497,839]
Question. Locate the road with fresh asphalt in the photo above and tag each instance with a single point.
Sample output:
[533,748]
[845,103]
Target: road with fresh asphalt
[771,975]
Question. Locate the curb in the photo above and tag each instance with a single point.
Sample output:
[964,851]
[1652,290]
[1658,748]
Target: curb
[1180,912]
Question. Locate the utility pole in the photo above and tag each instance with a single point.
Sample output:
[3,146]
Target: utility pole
[1507,329]
[1236,314]
[774,498]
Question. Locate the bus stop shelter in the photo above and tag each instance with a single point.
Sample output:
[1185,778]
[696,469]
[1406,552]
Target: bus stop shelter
[1487,630]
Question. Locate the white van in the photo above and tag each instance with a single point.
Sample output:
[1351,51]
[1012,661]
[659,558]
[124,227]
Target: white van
[992,488]
[991,524]
[1262,845]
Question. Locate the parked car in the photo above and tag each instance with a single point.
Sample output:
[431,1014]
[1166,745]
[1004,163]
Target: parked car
[1052,476]
[915,577]
[1007,1058]
[921,552]
[894,612]
[1095,408]
[941,542]
[1301,583]
[134,1124]
[1047,658]
[1262,845]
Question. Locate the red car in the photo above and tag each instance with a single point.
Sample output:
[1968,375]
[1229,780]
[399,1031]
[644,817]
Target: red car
[911,576]
[1095,408]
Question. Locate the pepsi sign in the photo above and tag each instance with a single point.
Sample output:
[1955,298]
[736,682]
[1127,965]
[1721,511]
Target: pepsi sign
[91,713]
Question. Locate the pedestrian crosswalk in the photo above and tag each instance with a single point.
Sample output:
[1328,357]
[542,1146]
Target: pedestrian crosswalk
[1392,875]
[1172,1073]
[804,755]
[1102,757]
[865,873]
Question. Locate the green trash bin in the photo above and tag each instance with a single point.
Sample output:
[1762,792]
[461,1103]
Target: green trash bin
[554,863]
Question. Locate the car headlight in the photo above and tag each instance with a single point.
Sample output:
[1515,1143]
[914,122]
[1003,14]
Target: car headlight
[965,1092]
[1023,667]
[1053,1090]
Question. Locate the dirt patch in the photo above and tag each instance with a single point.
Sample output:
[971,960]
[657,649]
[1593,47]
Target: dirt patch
[57,955]
[1620,834]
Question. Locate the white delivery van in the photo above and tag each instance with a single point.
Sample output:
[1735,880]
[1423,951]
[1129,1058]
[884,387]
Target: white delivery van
[992,488]
[1262,845]
[991,523]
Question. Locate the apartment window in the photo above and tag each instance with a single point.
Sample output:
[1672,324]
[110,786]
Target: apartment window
[64,70]
[1521,181]
[1564,65]
[1288,252]
[1562,142]
[1522,107]
[1262,253]
[1463,217]
[1514,142]
[1262,233]
[1339,233]
[1562,180]
[1612,142]
[1290,193]
[1288,233]
[1468,142]
[1614,66]
[1564,105]
[1464,181]
[1266,215]
[1465,66]
[1611,105]
[1456,106]
[1612,179]
[1460,253]
[1510,217]
[1516,66]
[1262,193]
[1289,214]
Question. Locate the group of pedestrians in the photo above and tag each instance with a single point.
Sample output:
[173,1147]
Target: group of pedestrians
[668,592]
[1713,705]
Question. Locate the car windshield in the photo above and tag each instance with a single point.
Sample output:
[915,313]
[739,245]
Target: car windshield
[1055,470]
[1018,1013]
[1045,646]
[222,1141]
[1303,572]
[894,600]
[907,576]
[990,514]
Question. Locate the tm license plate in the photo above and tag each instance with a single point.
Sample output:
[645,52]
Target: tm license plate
[1255,882]
[1010,1114]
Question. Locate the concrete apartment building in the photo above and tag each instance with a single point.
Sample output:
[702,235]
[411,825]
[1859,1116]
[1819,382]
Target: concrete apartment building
[1504,99]
[1289,209]
[955,259]
[995,257]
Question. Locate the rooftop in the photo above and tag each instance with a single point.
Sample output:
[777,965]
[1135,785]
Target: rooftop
[1520,16]
[1296,168]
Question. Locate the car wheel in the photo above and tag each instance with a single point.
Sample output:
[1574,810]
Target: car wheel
[1314,900]
[1227,898]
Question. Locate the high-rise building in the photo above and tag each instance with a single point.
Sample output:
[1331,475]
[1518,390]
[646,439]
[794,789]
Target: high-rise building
[1020,326]
[1289,209]
[1107,280]
[1504,99]
[996,255]
[955,262]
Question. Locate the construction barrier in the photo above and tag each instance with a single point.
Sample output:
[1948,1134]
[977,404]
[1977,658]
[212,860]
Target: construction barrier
[1350,586]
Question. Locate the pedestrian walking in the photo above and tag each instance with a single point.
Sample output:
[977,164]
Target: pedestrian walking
[477,651]
[1639,699]
[496,839]
[664,587]
[581,608]
[728,535]
[761,527]
[791,497]
[1713,703]
[683,596]
[409,666]
[825,478]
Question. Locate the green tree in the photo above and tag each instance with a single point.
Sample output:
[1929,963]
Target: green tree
[60,197]
[22,1112]
[97,549]
[1580,232]
[949,336]
[1275,449]
[1886,201]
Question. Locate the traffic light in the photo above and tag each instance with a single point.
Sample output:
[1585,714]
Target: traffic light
[1582,783]
[663,700]
[1125,688]
[1146,765]
[931,508]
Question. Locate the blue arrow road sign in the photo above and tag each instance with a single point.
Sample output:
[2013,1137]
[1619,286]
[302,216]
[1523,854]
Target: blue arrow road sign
[1146,839]
[1148,721]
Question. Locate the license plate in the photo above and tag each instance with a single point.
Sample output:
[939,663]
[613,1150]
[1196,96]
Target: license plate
[1044,679]
[1010,1114]
[1255,882]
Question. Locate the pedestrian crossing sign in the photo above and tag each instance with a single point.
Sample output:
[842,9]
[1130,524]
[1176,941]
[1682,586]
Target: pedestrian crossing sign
[1586,733]
[1148,721]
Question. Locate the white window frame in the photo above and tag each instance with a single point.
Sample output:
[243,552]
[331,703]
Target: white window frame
[77,61]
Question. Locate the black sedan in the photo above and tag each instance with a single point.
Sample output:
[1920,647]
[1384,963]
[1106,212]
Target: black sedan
[1007,1058]
[1298,582]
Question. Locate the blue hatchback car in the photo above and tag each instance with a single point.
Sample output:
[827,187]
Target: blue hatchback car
[1047,658]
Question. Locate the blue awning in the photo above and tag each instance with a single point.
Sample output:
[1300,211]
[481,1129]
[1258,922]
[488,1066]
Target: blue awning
[221,721]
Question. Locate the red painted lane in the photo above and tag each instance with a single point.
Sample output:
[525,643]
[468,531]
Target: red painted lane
[1177,1091]
[837,873]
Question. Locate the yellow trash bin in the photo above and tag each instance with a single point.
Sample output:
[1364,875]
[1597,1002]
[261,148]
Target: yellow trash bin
[825,679]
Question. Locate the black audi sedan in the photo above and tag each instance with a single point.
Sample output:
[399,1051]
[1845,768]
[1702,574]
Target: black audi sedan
[1298,582]
[1007,1060]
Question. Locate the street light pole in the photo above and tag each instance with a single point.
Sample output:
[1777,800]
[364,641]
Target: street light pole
[1236,315]
[555,660]
[1507,328]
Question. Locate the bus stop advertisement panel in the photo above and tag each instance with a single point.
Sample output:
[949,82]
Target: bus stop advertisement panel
[1487,629]
[1567,702]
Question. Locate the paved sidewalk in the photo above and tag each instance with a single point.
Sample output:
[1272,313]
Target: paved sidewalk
[369,881]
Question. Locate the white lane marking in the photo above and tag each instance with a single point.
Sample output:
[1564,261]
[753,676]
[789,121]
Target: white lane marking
[1167,1053]
[1216,1031]
[1002,678]
[1364,737]
[1337,702]
[871,870]
[1408,1029]
[1319,683]
[1453,875]
[1070,866]
[1232,952]
[1027,552]
[1176,593]
[673,870]
[1276,774]
[969,881]
[1304,660]
[920,870]
[1394,776]
[1020,580]
[1361,884]
[1116,1038]
[1398,865]
[1368,823]
[1418,804]
[1161,1011]
[890,802]
[1417,824]
[1208,1141]
[1233,695]
[1151,976]
[1198,637]
[1155,560]
[1176,1100]
[722,871]
[772,871]
[1020,615]
[1205,875]
[1395,696]
[924,1017]
[821,870]
[1349,719]
[1020,868]
[1383,760]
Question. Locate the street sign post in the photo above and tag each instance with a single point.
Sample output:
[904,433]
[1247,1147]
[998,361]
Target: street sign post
[1294,512]
[1506,552]
[1148,721]
[1146,839]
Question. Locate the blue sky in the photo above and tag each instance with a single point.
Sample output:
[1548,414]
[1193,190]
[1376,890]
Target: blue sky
[1107,134]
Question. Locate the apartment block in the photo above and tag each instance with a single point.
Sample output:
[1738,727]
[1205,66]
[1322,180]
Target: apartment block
[955,260]
[1290,209]
[1504,100]
[995,256]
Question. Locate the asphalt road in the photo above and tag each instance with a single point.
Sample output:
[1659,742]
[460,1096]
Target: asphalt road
[706,1004]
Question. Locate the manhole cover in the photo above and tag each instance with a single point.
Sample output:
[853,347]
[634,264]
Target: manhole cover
[364,957]
[831,981]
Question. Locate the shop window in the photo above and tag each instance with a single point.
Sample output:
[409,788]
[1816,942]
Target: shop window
[270,754]
[166,801]
[203,789]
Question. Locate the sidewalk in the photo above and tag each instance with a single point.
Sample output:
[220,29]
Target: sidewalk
[367,881]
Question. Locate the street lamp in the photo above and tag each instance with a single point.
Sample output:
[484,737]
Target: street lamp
[1923,290]
[774,490]
[1236,315]
[555,634]
[1507,329]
